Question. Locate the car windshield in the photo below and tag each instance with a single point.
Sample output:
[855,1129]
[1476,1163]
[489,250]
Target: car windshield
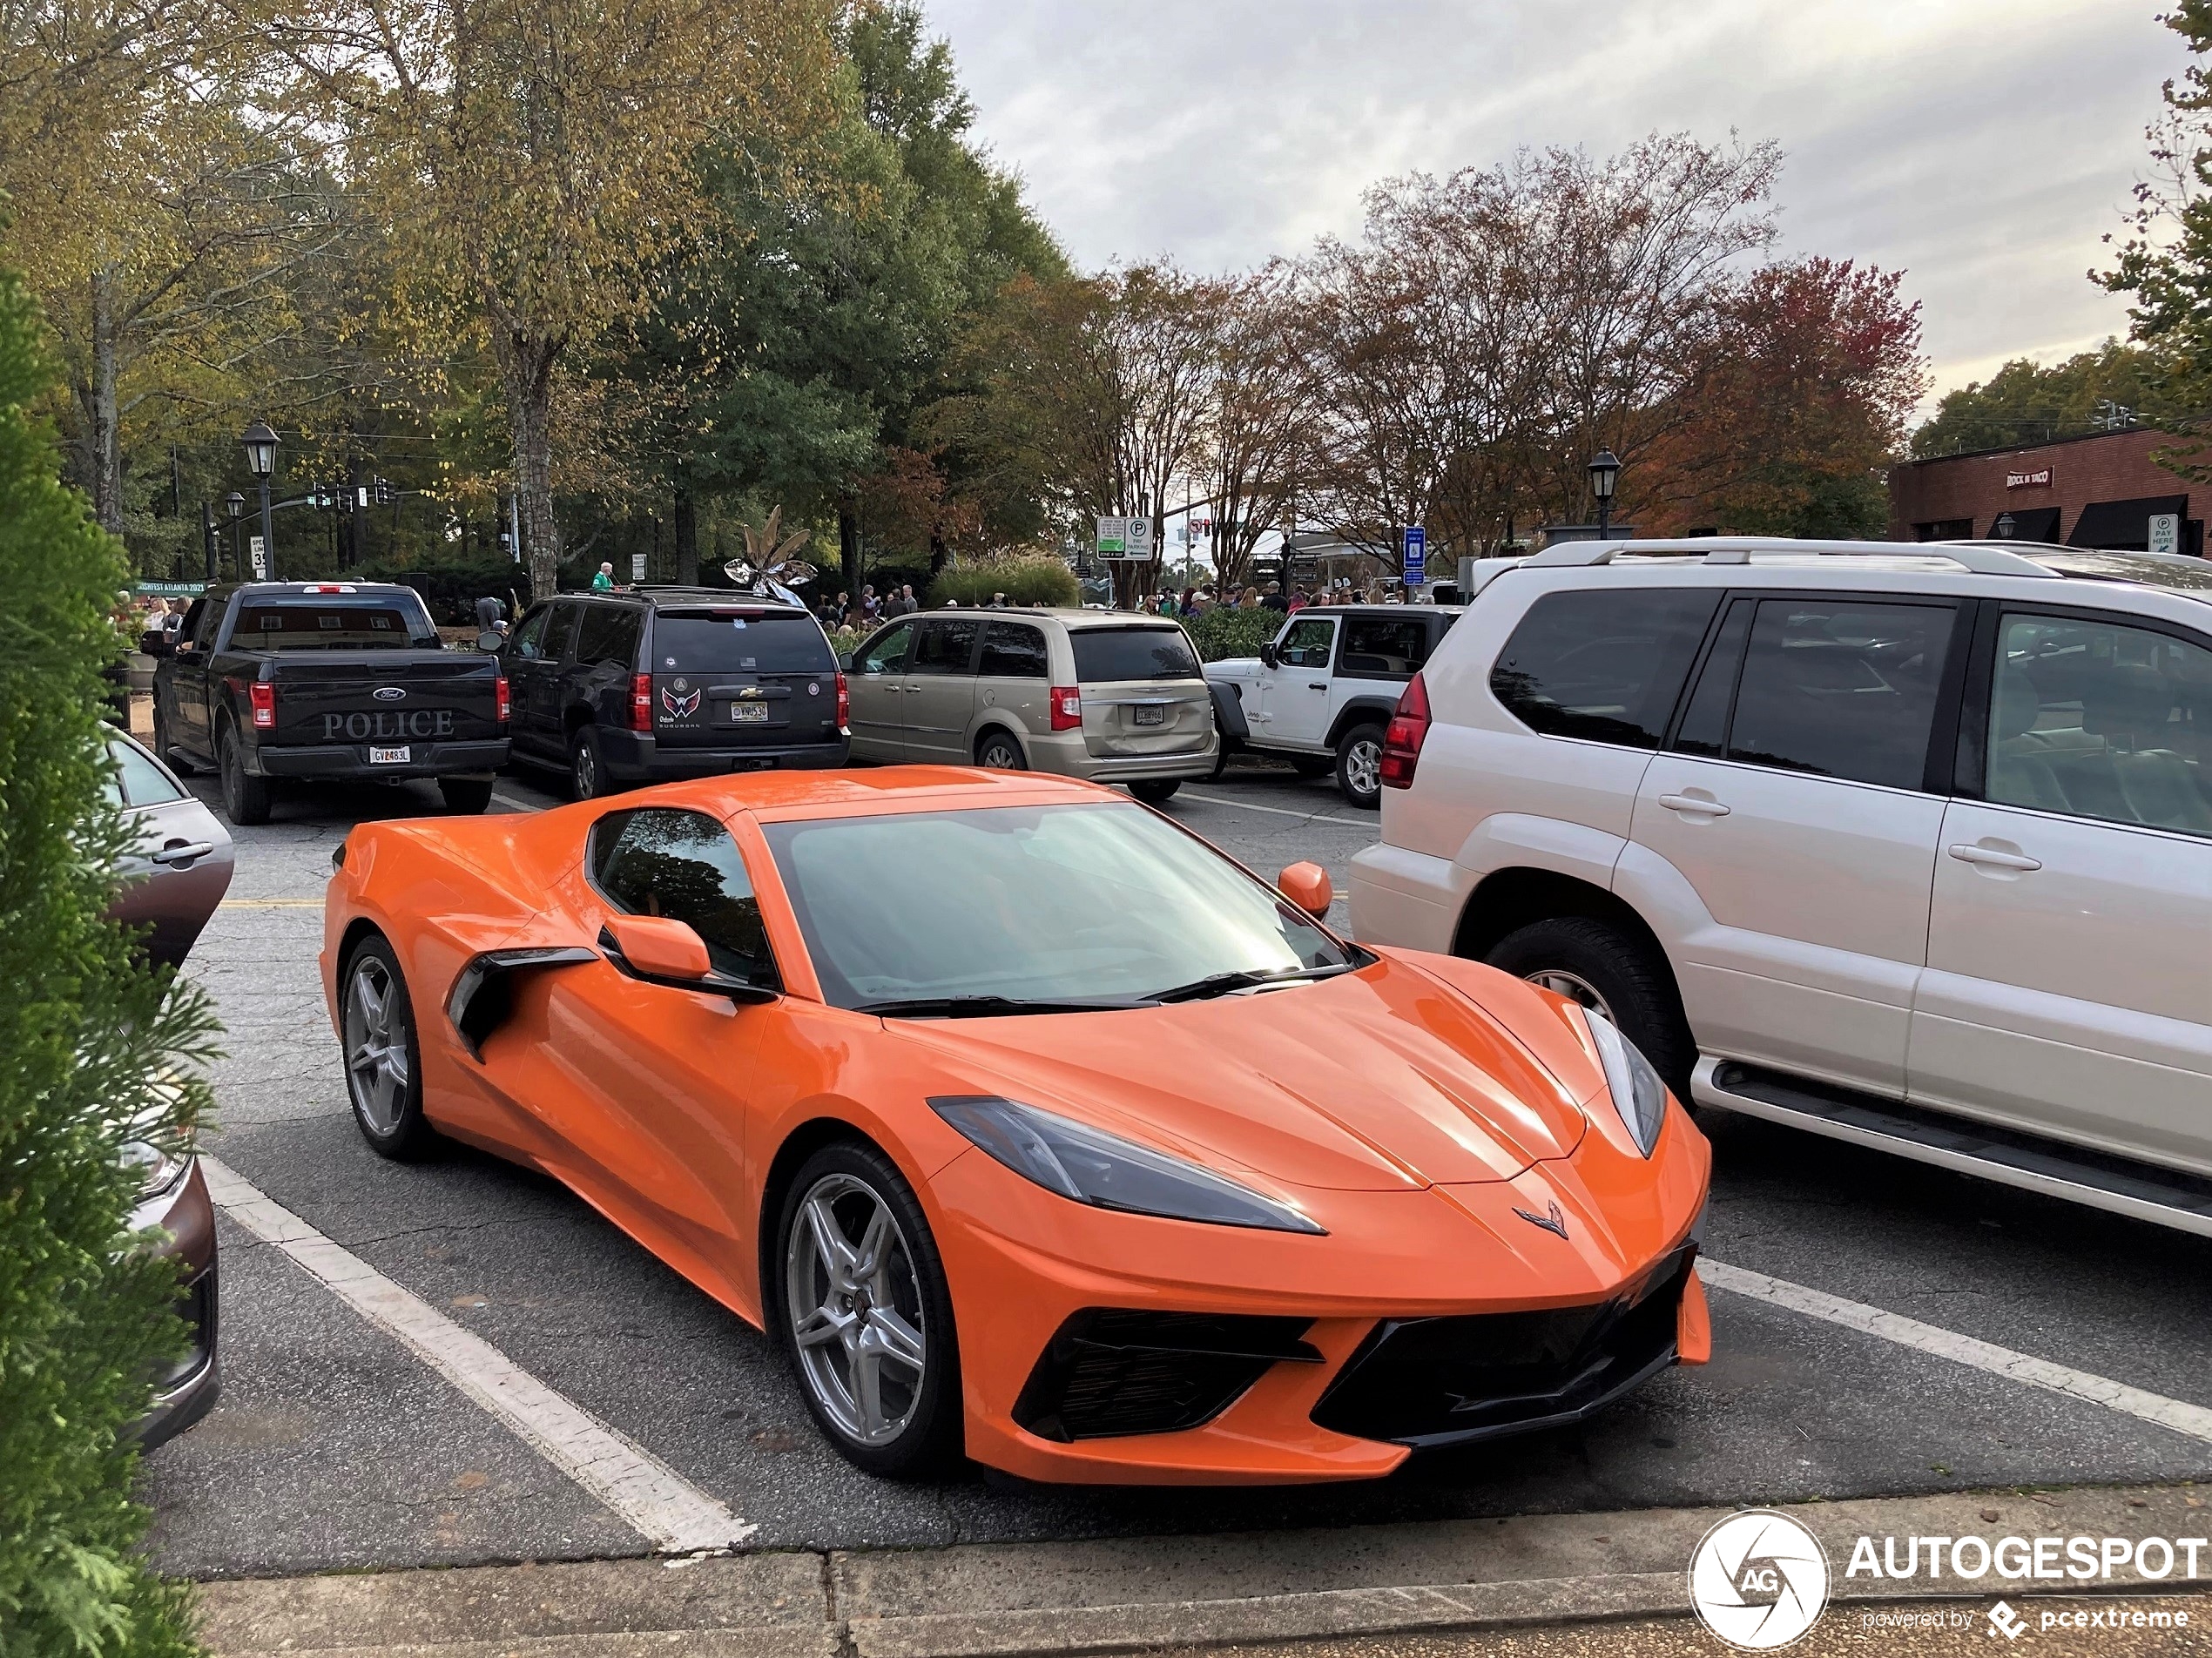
[379,624]
[1032,905]
[735,641]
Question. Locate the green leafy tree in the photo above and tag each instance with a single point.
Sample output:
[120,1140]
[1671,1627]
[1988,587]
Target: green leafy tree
[95,1051]
[2027,402]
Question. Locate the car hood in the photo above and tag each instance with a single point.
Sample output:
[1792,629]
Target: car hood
[1233,668]
[1380,1079]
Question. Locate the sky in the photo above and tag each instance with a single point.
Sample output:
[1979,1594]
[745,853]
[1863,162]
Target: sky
[1986,147]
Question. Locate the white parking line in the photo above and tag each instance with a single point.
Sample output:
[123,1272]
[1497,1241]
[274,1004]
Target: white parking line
[2193,1420]
[1282,812]
[509,800]
[673,1515]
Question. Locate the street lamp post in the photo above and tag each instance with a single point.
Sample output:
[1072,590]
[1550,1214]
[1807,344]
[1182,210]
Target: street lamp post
[1605,472]
[261,445]
[233,509]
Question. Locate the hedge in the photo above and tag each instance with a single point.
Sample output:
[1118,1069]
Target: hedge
[83,1036]
[1032,580]
[1224,632]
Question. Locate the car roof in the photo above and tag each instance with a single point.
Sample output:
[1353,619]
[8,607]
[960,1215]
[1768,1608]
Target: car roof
[688,597]
[777,796]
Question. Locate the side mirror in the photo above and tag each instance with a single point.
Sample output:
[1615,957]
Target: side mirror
[663,950]
[490,639]
[1308,886]
[155,642]
[845,662]
[1269,656]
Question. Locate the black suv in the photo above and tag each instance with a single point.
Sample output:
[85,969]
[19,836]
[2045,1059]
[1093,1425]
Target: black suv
[660,683]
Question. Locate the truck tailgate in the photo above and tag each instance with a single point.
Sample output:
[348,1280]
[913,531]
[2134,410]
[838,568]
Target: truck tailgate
[384,697]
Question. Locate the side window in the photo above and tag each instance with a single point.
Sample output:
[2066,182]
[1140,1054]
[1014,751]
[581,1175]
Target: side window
[1704,723]
[1841,688]
[187,633]
[211,623]
[886,653]
[559,636]
[608,634]
[1013,652]
[944,648]
[2100,720]
[1306,643]
[528,642]
[1384,644]
[139,781]
[1605,664]
[683,865]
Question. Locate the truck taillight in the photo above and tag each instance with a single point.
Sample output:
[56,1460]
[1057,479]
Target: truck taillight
[843,701]
[641,702]
[1067,708]
[501,705]
[1402,741]
[263,698]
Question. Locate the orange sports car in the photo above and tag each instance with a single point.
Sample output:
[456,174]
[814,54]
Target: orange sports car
[1030,1125]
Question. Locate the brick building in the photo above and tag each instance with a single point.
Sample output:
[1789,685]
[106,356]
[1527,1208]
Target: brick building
[2101,490]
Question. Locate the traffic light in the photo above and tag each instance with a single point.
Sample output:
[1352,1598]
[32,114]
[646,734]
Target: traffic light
[384,495]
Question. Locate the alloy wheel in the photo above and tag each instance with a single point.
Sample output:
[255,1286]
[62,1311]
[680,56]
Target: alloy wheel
[584,767]
[1363,766]
[1576,989]
[855,1304]
[376,1034]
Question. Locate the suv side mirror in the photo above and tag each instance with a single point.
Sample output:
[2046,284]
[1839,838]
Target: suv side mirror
[490,639]
[1308,886]
[155,642]
[1269,657]
[663,950]
[845,662]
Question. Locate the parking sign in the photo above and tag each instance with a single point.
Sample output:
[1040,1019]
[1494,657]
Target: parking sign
[1416,567]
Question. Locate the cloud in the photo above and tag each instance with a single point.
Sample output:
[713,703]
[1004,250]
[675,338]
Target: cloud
[1985,147]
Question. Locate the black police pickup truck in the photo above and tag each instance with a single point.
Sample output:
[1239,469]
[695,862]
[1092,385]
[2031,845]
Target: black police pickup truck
[658,682]
[321,680]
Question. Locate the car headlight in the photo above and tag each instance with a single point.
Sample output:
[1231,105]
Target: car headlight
[1638,1094]
[1106,1171]
[160,1167]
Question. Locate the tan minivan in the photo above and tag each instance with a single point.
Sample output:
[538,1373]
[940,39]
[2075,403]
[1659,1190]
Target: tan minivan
[1105,695]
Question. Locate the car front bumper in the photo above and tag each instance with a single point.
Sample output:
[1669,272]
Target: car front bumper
[479,758]
[1277,1358]
[187,1390]
[637,756]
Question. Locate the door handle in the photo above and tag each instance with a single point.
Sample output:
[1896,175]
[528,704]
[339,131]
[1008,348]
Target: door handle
[1994,859]
[179,852]
[1694,803]
[1317,685]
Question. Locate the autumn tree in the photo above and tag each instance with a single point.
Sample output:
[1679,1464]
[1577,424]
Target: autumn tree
[1258,426]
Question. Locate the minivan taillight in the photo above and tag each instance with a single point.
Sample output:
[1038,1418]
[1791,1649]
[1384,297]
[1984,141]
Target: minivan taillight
[1067,708]
[263,698]
[641,702]
[500,704]
[1402,742]
[843,701]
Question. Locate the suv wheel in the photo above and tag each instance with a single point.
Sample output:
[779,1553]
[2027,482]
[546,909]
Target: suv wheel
[1360,765]
[1155,791]
[998,752]
[245,798]
[587,774]
[465,797]
[1613,973]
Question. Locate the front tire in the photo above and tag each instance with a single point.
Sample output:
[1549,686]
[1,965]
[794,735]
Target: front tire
[465,797]
[864,1313]
[1613,972]
[1360,767]
[587,768]
[383,1058]
[245,798]
[1156,791]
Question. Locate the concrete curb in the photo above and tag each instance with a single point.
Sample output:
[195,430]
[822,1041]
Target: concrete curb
[1008,1600]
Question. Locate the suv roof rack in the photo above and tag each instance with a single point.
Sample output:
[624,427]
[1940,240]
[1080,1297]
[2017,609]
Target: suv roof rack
[1980,558]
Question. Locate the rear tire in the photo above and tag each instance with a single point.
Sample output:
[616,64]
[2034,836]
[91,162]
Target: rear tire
[245,798]
[382,1057]
[1597,964]
[587,768]
[465,797]
[1360,767]
[909,1424]
[996,750]
[1156,791]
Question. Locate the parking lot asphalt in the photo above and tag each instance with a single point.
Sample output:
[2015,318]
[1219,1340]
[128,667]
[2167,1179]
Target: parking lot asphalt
[336,1447]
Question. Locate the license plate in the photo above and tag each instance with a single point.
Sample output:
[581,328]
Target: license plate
[1151,716]
[399,756]
[749,713]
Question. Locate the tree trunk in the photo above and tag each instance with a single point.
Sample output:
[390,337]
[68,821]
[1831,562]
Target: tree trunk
[686,526]
[938,553]
[848,546]
[526,363]
[106,433]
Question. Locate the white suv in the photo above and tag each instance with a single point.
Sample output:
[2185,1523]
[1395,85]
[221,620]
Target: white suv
[1910,846]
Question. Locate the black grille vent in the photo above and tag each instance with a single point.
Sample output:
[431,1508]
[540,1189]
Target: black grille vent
[1112,1371]
[1449,1381]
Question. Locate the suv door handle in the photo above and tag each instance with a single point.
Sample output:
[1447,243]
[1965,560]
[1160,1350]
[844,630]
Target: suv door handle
[1317,685]
[1697,802]
[1993,858]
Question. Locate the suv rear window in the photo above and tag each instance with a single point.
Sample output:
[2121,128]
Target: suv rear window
[1105,654]
[729,642]
[1605,664]
[381,624]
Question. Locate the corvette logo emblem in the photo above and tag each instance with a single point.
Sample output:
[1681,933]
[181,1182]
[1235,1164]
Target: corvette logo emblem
[680,707]
[1554,1221]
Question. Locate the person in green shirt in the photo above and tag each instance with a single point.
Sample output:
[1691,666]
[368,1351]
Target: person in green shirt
[602,580]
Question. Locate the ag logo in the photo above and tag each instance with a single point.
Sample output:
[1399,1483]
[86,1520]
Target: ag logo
[680,707]
[1758,1579]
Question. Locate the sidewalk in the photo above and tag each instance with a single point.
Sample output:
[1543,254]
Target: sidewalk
[1366,1591]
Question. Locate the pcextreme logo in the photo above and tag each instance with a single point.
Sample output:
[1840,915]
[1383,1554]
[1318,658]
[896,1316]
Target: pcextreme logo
[1758,1579]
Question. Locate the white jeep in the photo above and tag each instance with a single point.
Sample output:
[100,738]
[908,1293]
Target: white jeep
[1321,691]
